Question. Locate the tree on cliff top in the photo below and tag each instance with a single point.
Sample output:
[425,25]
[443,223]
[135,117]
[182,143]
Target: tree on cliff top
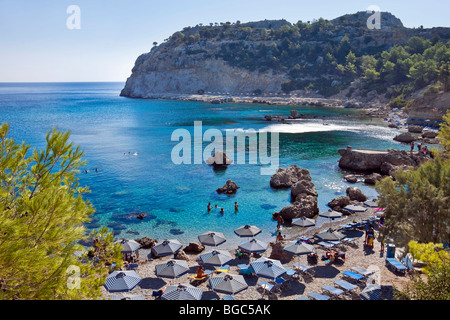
[444,132]
[42,212]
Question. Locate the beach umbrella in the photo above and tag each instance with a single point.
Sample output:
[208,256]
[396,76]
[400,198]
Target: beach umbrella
[371,203]
[166,247]
[330,235]
[128,245]
[125,296]
[182,292]
[216,257]
[253,245]
[303,222]
[227,283]
[122,280]
[298,247]
[331,214]
[355,208]
[371,292]
[268,268]
[247,231]
[172,268]
[210,238]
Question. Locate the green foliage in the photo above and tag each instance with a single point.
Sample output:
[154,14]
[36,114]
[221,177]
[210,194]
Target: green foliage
[42,212]
[417,203]
[436,283]
[444,132]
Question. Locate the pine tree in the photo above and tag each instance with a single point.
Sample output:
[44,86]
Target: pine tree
[42,212]
[417,203]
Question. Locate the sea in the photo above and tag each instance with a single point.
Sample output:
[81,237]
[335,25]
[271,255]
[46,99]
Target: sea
[128,144]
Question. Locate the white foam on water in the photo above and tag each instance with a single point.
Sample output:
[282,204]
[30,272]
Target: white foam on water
[305,127]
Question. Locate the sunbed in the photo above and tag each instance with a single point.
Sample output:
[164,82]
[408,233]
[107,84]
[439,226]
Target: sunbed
[224,268]
[353,275]
[318,296]
[396,265]
[336,292]
[361,271]
[347,286]
[245,269]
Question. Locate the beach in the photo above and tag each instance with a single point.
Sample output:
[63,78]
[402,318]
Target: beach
[323,273]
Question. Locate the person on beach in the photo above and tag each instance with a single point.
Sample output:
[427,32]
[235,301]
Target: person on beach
[280,220]
[412,146]
[236,207]
[280,237]
[419,147]
[200,272]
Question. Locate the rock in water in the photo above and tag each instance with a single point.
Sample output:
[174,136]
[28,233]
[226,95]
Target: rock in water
[356,194]
[219,159]
[230,187]
[303,192]
[405,137]
[286,178]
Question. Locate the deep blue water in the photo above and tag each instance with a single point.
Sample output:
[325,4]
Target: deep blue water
[109,127]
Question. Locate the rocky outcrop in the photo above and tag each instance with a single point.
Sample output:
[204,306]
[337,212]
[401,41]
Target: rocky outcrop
[405,137]
[146,243]
[230,187]
[415,129]
[194,247]
[338,203]
[286,178]
[219,159]
[380,161]
[356,194]
[303,192]
[181,255]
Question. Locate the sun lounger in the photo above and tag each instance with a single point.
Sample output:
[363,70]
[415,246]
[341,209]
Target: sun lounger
[227,297]
[300,268]
[289,274]
[200,279]
[267,287]
[132,266]
[347,286]
[353,276]
[336,292]
[245,269]
[302,298]
[318,296]
[361,271]
[224,268]
[326,244]
[277,284]
[396,265]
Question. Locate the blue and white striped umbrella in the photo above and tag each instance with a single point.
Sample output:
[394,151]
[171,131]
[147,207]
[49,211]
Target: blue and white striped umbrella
[355,208]
[129,245]
[253,245]
[166,247]
[216,257]
[172,268]
[298,247]
[227,283]
[125,296]
[122,280]
[182,292]
[247,231]
[268,268]
[210,238]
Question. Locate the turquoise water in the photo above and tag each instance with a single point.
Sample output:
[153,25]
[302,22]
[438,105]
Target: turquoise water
[110,128]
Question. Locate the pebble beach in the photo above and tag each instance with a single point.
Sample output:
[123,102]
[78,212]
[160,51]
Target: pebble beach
[322,273]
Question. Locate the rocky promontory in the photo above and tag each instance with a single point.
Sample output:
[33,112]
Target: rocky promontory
[380,161]
[303,192]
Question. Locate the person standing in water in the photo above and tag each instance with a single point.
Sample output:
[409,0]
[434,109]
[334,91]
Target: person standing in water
[209,206]
[221,211]
[236,207]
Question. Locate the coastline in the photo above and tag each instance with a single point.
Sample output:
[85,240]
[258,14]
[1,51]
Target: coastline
[324,273]
[377,109]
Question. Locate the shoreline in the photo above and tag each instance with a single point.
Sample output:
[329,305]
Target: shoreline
[371,109]
[324,273]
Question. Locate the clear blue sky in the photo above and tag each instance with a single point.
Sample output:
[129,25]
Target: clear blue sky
[36,45]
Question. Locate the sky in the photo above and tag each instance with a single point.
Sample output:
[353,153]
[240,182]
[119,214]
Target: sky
[36,44]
